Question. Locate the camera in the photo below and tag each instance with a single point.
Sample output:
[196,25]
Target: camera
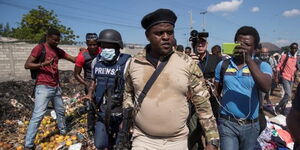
[195,36]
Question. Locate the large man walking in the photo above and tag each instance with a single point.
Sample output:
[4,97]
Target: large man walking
[160,120]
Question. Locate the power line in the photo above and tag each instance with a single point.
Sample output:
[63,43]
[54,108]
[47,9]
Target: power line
[75,17]
[89,11]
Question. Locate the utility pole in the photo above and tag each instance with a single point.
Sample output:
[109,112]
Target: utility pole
[191,27]
[191,20]
[203,23]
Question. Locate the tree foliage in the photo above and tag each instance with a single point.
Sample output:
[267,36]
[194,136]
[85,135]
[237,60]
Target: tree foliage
[5,30]
[34,25]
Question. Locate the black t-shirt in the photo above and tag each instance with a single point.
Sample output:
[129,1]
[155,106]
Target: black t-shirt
[208,65]
[296,101]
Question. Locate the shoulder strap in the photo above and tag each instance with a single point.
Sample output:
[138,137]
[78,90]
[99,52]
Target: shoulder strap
[34,73]
[42,54]
[123,59]
[257,61]
[151,81]
[224,66]
[284,63]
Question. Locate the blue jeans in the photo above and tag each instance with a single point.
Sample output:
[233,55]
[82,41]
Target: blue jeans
[234,136]
[43,94]
[287,86]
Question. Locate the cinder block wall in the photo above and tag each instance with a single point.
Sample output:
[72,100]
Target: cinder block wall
[14,55]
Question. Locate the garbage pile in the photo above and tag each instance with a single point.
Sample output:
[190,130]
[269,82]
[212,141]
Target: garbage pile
[15,112]
[275,136]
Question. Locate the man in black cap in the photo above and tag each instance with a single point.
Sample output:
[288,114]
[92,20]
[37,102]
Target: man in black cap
[160,117]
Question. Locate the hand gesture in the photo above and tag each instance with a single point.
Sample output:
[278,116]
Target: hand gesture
[48,62]
[243,49]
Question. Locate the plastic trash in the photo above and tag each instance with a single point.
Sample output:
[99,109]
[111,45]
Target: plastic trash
[76,146]
[53,114]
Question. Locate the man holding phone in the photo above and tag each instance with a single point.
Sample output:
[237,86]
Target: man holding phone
[238,123]
[47,84]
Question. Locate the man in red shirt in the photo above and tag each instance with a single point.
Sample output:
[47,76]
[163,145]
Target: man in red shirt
[47,84]
[287,68]
[84,60]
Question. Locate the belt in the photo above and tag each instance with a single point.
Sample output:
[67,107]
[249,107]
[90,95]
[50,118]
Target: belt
[238,120]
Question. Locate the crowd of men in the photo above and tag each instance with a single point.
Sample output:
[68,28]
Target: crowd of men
[168,97]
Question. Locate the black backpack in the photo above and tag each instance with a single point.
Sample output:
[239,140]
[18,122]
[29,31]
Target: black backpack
[40,59]
[261,114]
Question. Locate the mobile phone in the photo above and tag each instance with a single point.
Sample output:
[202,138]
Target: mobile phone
[228,48]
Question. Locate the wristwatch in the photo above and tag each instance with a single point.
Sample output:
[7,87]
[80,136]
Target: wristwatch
[215,142]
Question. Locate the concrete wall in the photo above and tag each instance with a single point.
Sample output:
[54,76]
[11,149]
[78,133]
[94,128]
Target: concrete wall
[14,55]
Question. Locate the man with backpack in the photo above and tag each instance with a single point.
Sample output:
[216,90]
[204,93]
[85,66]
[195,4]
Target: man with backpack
[238,81]
[47,83]
[159,84]
[107,87]
[286,69]
[84,60]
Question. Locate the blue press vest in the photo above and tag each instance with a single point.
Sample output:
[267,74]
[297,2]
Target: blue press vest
[105,75]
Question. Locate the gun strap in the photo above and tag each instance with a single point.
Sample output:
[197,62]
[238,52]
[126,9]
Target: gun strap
[152,79]
[40,59]
[108,110]
[284,63]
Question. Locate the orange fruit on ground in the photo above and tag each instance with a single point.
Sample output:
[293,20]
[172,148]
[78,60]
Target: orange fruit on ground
[82,130]
[67,137]
[51,145]
[26,122]
[74,137]
[19,148]
[44,122]
[69,142]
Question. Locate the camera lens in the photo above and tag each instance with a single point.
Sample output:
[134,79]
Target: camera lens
[194,33]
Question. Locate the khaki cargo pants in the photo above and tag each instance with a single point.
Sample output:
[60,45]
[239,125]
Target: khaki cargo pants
[147,143]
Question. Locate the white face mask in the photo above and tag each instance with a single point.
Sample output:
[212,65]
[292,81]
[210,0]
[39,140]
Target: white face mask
[108,53]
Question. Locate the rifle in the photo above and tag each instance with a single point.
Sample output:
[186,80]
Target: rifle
[124,135]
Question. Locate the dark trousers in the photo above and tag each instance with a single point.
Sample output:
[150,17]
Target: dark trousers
[103,137]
